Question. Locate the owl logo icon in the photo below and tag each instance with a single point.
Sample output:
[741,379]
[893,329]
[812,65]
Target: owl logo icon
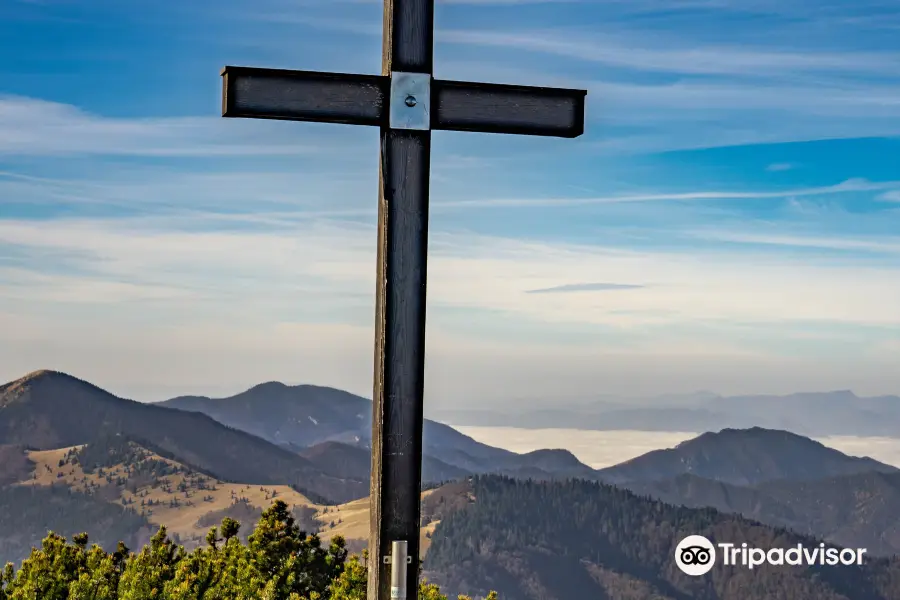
[695,555]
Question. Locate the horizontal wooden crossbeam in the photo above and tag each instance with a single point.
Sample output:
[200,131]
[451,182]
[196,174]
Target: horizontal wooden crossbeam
[304,96]
[499,108]
[364,100]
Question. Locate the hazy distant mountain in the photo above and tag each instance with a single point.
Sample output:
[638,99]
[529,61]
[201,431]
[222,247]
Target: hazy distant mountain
[47,409]
[559,541]
[301,416]
[743,457]
[858,511]
[812,414]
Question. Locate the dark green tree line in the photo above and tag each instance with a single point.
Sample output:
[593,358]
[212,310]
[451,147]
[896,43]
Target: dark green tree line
[278,562]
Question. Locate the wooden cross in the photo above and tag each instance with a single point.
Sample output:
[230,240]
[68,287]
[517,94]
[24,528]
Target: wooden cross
[407,104]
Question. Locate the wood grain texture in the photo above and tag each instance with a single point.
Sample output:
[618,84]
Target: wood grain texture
[400,353]
[408,42]
[496,108]
[398,396]
[305,96]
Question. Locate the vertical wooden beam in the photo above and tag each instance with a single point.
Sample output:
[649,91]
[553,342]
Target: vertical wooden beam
[400,310]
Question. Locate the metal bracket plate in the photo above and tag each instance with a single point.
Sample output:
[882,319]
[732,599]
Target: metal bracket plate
[410,103]
[388,560]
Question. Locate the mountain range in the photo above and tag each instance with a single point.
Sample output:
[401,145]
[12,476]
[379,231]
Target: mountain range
[812,414]
[303,416]
[312,438]
[47,409]
[73,456]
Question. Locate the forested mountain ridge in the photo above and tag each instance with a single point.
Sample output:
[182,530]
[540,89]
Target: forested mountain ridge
[858,510]
[27,514]
[527,540]
[578,539]
[530,540]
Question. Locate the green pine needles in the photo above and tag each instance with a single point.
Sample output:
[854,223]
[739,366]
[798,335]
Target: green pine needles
[278,562]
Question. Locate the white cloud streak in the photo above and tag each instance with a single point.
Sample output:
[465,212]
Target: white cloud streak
[845,187]
[875,245]
[334,260]
[690,90]
[30,126]
[622,52]
[175,294]
[255,305]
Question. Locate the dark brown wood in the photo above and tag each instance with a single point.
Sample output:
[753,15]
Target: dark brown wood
[363,100]
[397,400]
[516,109]
[305,96]
[408,36]
[400,354]
[402,232]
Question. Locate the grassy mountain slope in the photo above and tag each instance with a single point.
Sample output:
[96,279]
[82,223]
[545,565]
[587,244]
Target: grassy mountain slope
[115,488]
[47,410]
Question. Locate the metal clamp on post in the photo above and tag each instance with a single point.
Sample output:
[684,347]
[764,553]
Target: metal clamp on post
[410,103]
[398,560]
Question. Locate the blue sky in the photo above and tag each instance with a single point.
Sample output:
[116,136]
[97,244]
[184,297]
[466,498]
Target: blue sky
[729,221]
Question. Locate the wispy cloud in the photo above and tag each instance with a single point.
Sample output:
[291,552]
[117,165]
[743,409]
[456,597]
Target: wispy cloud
[585,287]
[776,167]
[30,126]
[628,117]
[767,84]
[875,245]
[657,52]
[265,302]
[845,187]
[123,236]
[678,57]
[263,194]
[278,197]
[325,260]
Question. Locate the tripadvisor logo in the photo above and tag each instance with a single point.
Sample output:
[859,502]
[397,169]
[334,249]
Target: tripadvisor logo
[695,555]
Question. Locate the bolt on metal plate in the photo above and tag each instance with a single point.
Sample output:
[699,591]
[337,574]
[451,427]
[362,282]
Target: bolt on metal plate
[410,102]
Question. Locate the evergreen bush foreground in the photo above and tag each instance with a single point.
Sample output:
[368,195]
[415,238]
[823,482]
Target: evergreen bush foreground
[278,562]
